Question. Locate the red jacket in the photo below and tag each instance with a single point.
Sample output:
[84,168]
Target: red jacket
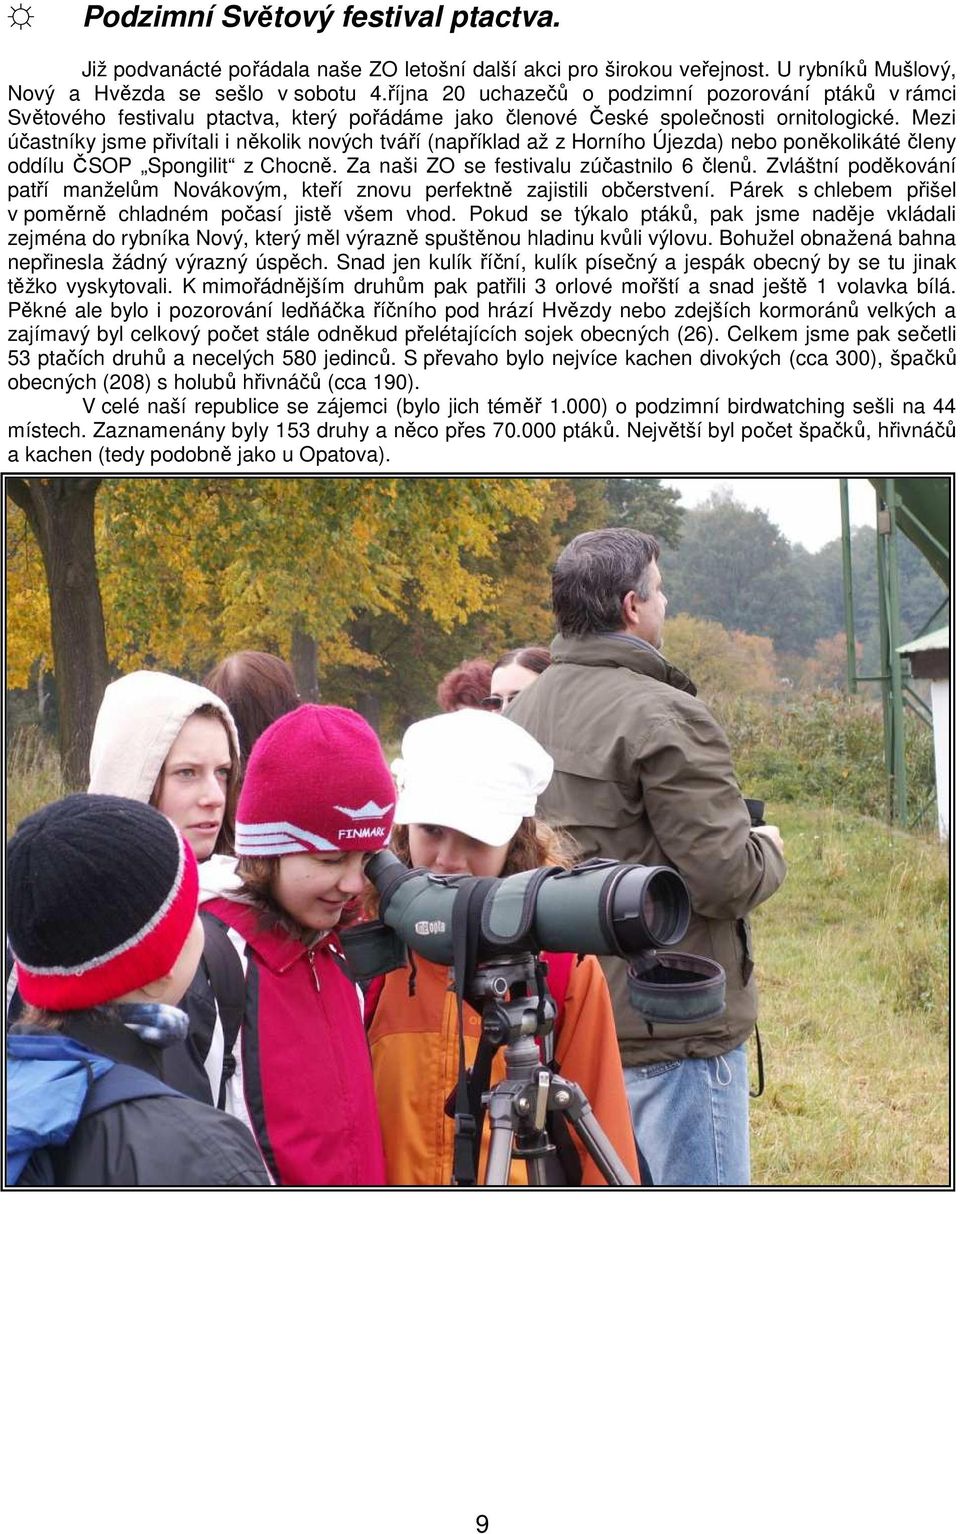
[307,1079]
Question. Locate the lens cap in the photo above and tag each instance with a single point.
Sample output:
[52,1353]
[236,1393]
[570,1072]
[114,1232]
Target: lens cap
[676,987]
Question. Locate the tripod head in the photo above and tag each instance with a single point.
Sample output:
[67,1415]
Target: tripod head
[517,1013]
[511,996]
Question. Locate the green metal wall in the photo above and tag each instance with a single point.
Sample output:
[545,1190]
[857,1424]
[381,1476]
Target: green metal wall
[923,516]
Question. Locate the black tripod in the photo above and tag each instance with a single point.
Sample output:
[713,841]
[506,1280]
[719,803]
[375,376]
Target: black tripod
[505,993]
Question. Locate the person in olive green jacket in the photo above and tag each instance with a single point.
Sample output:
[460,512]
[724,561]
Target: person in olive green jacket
[643,774]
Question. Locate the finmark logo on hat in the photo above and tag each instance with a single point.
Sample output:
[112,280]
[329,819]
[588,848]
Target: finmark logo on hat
[314,775]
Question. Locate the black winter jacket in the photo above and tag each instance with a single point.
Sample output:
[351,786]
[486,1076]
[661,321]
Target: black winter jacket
[151,1142]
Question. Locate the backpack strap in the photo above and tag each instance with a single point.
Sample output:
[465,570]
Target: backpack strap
[372,992]
[559,970]
[215,1003]
[124,1084]
[225,968]
[119,1084]
[465,921]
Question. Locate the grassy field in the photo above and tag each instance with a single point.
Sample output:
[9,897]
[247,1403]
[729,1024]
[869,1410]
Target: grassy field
[33,775]
[853,974]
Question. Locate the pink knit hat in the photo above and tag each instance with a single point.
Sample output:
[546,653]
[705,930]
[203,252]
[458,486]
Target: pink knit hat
[316,781]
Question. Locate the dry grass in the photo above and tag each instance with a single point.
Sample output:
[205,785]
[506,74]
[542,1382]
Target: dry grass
[853,970]
[33,774]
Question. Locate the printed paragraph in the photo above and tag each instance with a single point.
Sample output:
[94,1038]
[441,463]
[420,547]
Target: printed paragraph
[276,262]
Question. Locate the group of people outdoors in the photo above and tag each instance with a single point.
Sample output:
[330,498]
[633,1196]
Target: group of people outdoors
[149,1045]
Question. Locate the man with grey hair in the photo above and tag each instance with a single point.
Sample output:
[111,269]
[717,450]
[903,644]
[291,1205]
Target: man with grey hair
[643,774]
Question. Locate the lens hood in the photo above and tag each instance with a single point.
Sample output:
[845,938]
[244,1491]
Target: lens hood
[676,987]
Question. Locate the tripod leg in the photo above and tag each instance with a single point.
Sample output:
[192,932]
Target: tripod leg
[543,1165]
[599,1146]
[512,1136]
[545,1171]
[501,1142]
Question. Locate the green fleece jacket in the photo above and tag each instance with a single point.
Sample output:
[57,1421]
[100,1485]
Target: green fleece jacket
[643,774]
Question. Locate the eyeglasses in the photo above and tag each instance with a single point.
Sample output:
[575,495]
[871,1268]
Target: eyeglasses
[495,702]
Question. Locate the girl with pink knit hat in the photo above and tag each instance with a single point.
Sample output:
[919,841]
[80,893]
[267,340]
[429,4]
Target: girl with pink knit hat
[317,801]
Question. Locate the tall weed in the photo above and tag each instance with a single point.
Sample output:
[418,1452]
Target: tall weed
[33,774]
[826,749]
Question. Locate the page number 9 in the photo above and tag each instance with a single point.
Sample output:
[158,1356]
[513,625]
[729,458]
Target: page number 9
[483,1524]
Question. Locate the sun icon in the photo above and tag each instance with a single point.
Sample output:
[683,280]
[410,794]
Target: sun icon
[21,16]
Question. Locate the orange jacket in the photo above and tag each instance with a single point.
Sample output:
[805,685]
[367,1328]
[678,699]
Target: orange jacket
[414,1044]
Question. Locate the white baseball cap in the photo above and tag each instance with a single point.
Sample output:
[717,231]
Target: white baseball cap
[473,771]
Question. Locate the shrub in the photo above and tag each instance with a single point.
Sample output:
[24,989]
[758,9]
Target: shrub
[719,661]
[826,749]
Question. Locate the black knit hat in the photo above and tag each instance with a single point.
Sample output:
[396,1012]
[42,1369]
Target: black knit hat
[101,896]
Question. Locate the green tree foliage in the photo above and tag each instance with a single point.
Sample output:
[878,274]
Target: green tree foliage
[415,650]
[518,570]
[643,504]
[192,568]
[737,569]
[195,568]
[921,590]
[374,588]
[523,560]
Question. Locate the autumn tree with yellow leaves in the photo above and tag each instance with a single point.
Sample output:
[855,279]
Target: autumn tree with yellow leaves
[722,662]
[189,569]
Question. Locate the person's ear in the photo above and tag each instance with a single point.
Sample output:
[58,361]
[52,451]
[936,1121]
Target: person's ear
[628,608]
[155,989]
